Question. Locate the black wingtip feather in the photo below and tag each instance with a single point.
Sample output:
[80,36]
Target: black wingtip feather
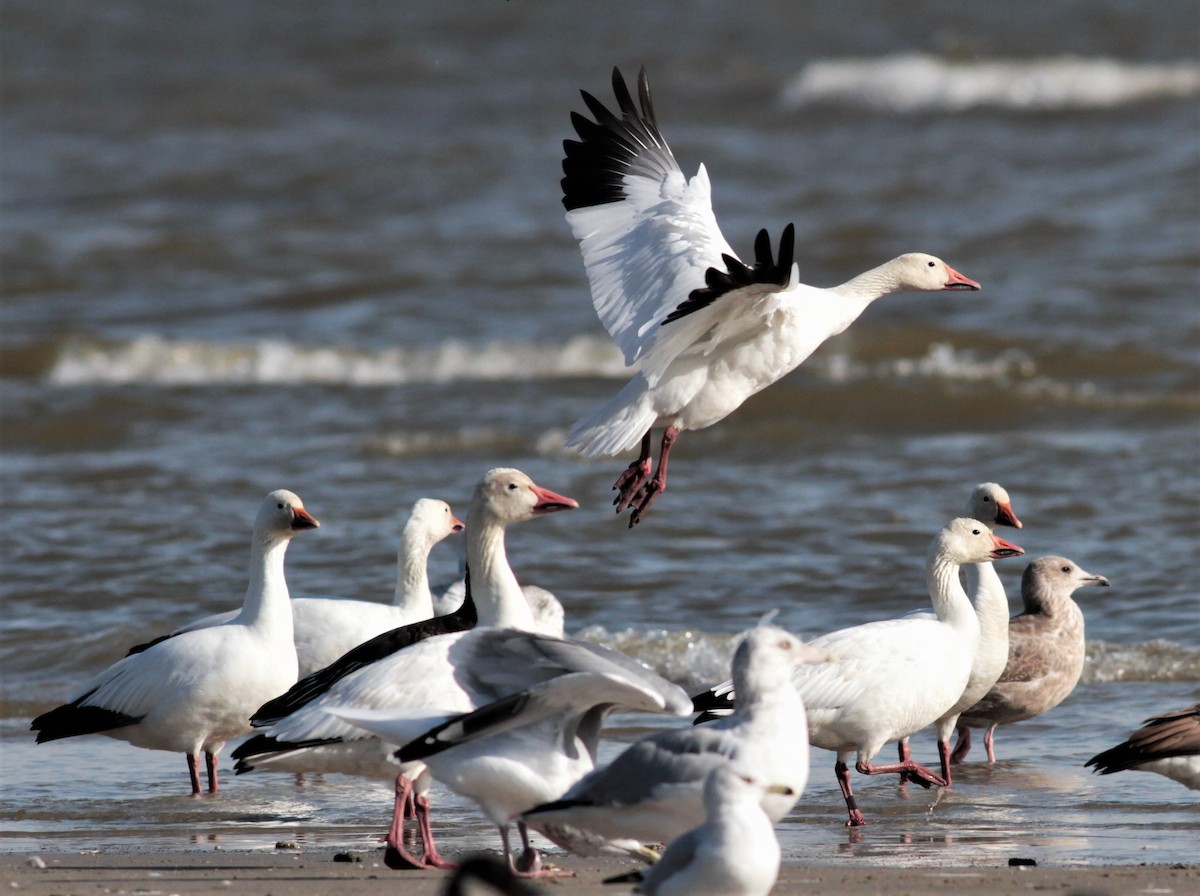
[314,685]
[72,720]
[595,166]
[738,274]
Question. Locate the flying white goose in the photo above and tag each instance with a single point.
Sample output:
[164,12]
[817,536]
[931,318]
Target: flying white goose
[194,692]
[1046,651]
[888,679]
[707,329]
[421,659]
[654,790]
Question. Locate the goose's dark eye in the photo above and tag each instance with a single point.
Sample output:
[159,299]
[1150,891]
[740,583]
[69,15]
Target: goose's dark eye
[986,499]
[932,264]
[1066,569]
[280,506]
[512,486]
[975,532]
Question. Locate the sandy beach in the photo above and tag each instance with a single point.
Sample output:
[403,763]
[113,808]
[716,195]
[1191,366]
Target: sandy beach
[316,873]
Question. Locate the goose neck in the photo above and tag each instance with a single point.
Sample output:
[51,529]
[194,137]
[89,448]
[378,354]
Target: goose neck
[412,577]
[949,599]
[499,600]
[268,605]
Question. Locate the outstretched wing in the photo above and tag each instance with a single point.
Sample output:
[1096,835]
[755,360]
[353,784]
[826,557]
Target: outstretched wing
[647,233]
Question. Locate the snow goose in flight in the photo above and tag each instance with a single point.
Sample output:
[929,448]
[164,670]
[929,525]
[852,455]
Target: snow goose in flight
[403,665]
[734,852]
[1045,653]
[194,692]
[888,679]
[989,503]
[327,627]
[707,329]
[1168,744]
[654,790]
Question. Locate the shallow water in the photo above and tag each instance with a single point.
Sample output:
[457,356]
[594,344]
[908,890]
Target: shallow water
[323,249]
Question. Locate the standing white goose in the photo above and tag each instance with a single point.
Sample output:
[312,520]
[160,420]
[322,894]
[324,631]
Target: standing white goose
[299,735]
[989,503]
[708,330]
[654,790]
[327,627]
[1046,651]
[888,679]
[194,692]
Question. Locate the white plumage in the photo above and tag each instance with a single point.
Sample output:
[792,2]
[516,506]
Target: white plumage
[734,852]
[654,790]
[327,627]
[888,679]
[431,677]
[989,503]
[194,692]
[706,330]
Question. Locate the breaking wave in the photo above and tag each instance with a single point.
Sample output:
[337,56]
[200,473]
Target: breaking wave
[920,82]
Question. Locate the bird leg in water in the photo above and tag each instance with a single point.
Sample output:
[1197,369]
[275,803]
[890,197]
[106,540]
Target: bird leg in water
[988,743]
[905,752]
[944,757]
[194,774]
[649,491]
[635,475]
[210,766]
[842,771]
[962,746]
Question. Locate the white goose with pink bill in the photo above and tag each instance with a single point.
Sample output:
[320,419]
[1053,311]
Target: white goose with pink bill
[706,329]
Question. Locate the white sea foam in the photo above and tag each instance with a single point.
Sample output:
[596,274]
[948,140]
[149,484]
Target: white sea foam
[154,360]
[920,82]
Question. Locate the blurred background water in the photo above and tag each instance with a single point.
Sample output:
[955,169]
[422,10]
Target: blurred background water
[320,246]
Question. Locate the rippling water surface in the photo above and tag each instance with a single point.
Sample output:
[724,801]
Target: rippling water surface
[246,247]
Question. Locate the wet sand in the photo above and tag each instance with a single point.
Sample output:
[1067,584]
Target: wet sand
[316,873]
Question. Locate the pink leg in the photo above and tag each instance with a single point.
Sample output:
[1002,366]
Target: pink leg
[630,482]
[905,752]
[194,774]
[857,819]
[962,746]
[429,853]
[989,743]
[210,766]
[656,486]
[916,772]
[944,756]
[396,856]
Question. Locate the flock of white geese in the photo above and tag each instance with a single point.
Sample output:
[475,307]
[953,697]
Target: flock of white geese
[475,685]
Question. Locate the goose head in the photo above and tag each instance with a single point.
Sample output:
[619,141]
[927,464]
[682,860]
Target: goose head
[282,515]
[918,272]
[432,520]
[990,503]
[970,541]
[506,496]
